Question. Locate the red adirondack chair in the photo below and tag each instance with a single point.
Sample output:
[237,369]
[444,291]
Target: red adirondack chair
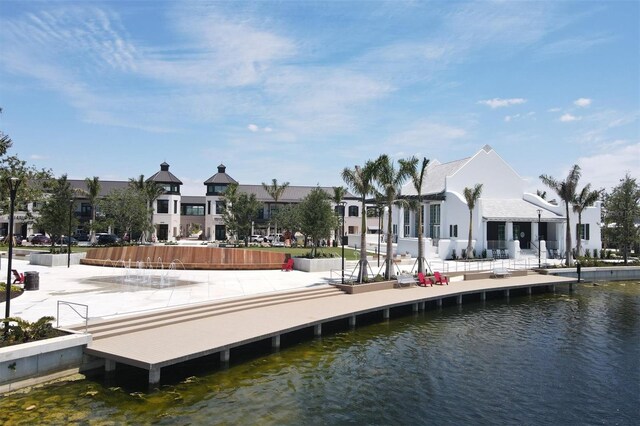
[18,277]
[424,281]
[288,265]
[441,279]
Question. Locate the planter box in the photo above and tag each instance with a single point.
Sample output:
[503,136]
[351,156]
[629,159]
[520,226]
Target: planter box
[317,265]
[46,259]
[41,358]
[367,287]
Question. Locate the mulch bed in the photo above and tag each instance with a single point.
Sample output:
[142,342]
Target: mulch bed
[14,294]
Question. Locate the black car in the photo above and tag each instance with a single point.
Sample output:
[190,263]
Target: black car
[65,241]
[105,239]
[81,236]
[40,239]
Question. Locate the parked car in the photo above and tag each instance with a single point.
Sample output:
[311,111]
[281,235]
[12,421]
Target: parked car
[30,237]
[81,236]
[65,241]
[256,238]
[104,239]
[40,240]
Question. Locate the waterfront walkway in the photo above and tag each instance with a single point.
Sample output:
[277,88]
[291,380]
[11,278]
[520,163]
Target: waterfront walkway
[168,337]
[208,312]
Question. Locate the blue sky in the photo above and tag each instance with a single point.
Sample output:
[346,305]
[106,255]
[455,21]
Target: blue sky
[299,90]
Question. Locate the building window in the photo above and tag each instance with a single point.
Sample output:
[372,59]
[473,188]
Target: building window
[353,211]
[407,224]
[582,231]
[339,210]
[394,229]
[220,207]
[353,230]
[163,206]
[85,209]
[434,221]
[216,189]
[453,231]
[175,206]
[208,210]
[192,209]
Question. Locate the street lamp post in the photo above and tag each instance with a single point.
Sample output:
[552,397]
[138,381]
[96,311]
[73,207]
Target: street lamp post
[539,214]
[69,235]
[13,184]
[343,205]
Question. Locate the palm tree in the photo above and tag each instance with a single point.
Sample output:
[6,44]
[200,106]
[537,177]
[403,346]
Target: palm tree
[566,190]
[360,180]
[151,192]
[338,194]
[275,191]
[417,178]
[390,181]
[471,195]
[93,191]
[584,199]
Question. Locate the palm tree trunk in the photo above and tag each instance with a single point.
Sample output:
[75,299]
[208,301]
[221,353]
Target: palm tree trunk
[469,245]
[389,259]
[420,248]
[362,274]
[567,242]
[579,236]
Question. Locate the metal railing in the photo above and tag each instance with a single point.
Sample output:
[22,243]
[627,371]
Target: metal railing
[73,305]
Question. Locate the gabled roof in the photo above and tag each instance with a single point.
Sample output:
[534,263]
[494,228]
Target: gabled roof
[434,179]
[291,194]
[164,176]
[221,177]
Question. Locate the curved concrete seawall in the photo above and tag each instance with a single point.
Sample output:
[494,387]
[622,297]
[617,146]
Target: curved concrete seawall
[614,273]
[184,257]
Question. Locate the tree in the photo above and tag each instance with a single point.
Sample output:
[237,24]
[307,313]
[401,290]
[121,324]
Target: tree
[584,199]
[417,179]
[622,212]
[289,217]
[150,191]
[566,190]
[317,218]
[93,191]
[126,210]
[389,181]
[471,195]
[32,180]
[275,191]
[55,217]
[338,195]
[360,180]
[240,210]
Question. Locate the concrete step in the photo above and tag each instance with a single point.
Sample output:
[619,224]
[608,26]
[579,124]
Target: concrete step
[133,323]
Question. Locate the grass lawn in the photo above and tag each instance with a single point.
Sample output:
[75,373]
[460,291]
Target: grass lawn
[349,254]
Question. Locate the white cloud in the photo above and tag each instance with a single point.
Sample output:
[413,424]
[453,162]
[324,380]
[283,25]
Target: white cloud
[554,110]
[253,127]
[427,133]
[37,157]
[604,170]
[566,118]
[499,103]
[582,102]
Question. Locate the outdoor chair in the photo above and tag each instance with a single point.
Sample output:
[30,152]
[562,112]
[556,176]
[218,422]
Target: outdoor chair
[441,279]
[288,265]
[18,277]
[423,281]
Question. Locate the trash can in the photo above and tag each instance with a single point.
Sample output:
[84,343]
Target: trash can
[31,280]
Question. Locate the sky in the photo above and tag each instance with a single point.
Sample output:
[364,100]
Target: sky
[299,90]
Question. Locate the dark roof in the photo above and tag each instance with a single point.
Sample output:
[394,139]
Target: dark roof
[164,176]
[192,199]
[106,186]
[291,194]
[221,177]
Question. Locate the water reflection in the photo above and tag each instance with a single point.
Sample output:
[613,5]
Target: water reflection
[544,359]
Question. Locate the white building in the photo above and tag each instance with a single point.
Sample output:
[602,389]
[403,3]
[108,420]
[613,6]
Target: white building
[506,219]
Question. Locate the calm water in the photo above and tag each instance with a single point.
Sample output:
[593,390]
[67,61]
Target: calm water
[562,359]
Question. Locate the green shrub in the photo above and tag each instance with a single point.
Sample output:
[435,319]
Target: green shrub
[14,331]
